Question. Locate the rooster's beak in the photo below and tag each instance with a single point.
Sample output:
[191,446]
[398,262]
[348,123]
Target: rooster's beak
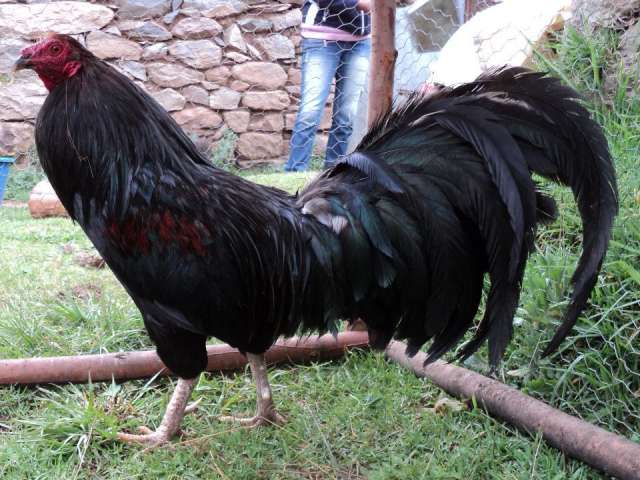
[23,63]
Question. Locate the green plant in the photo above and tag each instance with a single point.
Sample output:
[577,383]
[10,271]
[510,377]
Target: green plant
[316,162]
[583,59]
[223,156]
[23,178]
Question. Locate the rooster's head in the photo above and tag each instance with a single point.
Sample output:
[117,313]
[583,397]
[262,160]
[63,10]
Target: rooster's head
[55,59]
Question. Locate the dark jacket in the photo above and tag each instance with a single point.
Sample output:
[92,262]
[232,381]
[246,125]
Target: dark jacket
[341,14]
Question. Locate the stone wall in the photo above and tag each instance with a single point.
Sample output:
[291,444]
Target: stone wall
[216,65]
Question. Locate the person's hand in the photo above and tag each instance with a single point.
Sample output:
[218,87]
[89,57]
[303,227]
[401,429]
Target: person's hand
[364,5]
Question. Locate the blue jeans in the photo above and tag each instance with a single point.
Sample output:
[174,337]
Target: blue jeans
[322,60]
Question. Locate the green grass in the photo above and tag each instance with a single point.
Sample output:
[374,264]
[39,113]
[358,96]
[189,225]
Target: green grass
[361,417]
[357,418]
[597,374]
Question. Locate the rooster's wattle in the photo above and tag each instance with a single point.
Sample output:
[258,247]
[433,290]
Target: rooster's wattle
[401,233]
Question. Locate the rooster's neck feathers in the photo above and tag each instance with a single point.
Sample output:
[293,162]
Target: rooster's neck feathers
[107,131]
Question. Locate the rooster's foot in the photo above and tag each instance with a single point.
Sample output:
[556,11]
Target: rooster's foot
[266,413]
[146,437]
[258,420]
[170,426]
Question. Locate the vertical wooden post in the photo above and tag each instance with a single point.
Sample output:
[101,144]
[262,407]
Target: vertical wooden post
[468,10]
[383,58]
[381,73]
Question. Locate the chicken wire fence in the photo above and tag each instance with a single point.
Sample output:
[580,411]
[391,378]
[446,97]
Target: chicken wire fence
[231,74]
[320,112]
[252,83]
[335,75]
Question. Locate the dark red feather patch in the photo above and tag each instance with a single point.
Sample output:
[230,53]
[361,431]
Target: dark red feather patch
[140,233]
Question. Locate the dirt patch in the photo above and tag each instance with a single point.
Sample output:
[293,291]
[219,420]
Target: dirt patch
[83,291]
[89,260]
[84,258]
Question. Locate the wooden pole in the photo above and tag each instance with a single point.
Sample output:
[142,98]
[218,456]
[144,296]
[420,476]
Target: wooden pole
[381,73]
[610,453]
[132,365]
[383,58]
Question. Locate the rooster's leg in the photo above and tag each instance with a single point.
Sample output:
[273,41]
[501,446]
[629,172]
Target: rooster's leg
[266,412]
[176,410]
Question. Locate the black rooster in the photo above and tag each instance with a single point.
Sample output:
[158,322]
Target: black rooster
[400,233]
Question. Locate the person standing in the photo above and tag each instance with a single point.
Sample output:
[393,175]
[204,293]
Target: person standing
[335,45]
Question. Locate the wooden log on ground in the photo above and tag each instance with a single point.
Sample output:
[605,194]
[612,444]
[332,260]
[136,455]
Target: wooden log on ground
[144,364]
[610,453]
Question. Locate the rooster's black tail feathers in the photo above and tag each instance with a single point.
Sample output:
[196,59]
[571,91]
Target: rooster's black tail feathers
[515,122]
[564,145]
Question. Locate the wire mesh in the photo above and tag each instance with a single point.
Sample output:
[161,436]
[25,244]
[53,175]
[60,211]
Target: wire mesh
[233,73]
[262,82]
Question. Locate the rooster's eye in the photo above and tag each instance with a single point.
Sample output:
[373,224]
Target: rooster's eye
[55,49]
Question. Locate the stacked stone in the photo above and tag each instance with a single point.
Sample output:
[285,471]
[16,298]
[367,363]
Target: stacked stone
[215,65]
